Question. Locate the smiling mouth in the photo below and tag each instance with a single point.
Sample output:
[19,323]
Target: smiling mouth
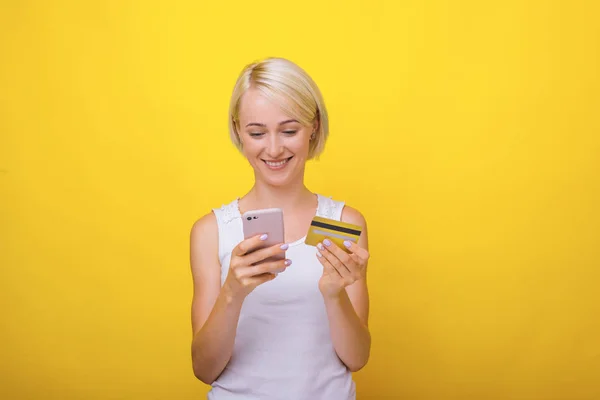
[277,164]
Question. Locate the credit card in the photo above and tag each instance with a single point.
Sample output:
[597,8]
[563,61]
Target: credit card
[336,231]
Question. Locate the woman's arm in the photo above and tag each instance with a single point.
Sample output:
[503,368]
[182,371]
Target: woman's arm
[216,309]
[350,336]
[348,310]
[215,313]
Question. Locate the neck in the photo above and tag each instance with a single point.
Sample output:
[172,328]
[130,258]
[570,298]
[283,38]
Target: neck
[292,196]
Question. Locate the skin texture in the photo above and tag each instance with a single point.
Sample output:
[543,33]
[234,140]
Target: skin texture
[268,134]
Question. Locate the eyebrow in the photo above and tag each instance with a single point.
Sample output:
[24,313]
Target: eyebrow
[287,121]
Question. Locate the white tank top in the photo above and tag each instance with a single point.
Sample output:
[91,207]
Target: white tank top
[283,347]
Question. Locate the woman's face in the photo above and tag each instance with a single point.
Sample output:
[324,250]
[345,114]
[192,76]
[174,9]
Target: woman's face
[275,144]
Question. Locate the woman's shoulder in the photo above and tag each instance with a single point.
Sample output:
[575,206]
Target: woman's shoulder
[206,224]
[203,236]
[333,207]
[353,216]
[227,212]
[209,221]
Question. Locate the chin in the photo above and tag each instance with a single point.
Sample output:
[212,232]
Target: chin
[277,181]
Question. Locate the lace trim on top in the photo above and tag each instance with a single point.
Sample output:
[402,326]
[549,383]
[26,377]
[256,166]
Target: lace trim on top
[326,207]
[230,211]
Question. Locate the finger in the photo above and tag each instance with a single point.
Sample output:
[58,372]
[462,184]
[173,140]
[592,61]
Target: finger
[345,259]
[356,259]
[327,266]
[362,253]
[256,280]
[334,261]
[249,245]
[354,265]
[259,255]
[271,267]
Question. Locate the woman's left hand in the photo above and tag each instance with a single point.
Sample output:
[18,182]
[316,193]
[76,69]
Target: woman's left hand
[340,269]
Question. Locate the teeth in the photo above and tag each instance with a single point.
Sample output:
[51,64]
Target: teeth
[276,164]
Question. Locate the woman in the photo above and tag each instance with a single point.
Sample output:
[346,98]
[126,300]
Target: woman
[301,333]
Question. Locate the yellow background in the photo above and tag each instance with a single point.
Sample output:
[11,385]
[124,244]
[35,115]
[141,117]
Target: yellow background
[466,132]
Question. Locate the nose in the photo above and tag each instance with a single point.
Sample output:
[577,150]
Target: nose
[274,147]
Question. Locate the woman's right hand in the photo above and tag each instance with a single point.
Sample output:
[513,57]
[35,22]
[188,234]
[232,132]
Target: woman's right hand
[247,269]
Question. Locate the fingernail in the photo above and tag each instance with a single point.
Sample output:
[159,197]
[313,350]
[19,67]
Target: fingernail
[320,246]
[264,237]
[347,243]
[327,242]
[284,246]
[319,254]
[288,262]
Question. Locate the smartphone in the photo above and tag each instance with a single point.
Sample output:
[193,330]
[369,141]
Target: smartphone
[269,221]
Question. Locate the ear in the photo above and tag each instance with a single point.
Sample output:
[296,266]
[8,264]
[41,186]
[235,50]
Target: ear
[315,126]
[236,129]
[313,134]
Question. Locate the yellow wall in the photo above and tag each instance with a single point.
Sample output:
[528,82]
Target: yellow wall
[466,132]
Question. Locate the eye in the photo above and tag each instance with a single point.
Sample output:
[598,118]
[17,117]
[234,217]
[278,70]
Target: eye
[289,132]
[255,134]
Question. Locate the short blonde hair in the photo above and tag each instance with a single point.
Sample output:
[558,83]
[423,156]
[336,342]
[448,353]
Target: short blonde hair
[289,86]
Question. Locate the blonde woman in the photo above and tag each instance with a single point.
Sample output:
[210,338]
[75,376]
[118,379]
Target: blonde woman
[301,333]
